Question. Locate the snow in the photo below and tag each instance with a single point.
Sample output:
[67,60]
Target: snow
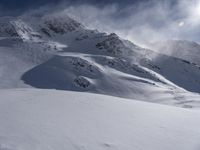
[50,119]
[55,52]
[182,73]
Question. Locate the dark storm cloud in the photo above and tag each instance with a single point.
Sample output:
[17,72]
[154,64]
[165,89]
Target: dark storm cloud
[28,3]
[15,7]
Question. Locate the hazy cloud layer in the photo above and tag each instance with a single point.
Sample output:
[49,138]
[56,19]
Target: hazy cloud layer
[142,22]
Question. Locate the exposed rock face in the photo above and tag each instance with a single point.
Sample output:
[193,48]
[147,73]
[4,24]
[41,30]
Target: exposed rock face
[60,24]
[7,28]
[82,82]
[112,44]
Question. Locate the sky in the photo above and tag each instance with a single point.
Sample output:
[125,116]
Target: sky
[141,21]
[19,6]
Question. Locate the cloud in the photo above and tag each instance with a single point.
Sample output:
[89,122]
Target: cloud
[142,22]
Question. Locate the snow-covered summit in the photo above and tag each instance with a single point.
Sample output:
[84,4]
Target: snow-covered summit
[37,26]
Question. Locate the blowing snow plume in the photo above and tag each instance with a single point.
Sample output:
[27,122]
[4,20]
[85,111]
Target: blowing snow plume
[144,22]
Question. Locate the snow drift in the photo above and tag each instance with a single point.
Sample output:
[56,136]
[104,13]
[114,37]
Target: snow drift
[50,119]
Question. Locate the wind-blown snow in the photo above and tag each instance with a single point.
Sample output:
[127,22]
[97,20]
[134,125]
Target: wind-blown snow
[186,50]
[50,119]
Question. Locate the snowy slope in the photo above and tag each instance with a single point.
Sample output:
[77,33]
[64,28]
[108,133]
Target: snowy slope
[181,72]
[17,57]
[50,119]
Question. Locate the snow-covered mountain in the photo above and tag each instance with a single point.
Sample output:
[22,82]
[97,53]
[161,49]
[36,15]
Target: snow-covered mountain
[57,52]
[55,75]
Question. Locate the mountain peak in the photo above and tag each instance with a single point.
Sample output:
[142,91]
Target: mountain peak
[61,23]
[47,25]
